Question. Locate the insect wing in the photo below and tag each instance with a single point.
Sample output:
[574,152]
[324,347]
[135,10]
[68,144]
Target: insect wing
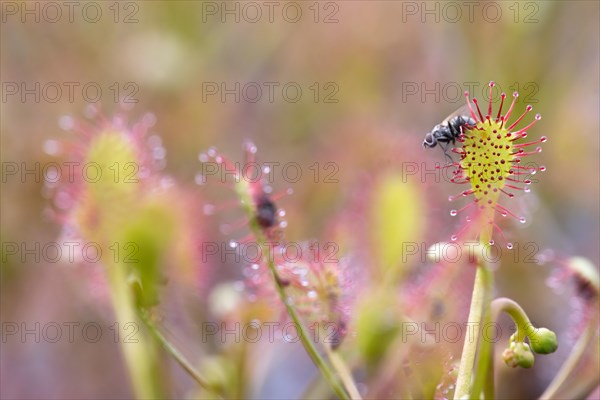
[463,111]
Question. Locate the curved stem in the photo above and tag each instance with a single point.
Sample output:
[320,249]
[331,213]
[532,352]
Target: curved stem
[180,358]
[518,315]
[570,364]
[484,377]
[304,334]
[243,191]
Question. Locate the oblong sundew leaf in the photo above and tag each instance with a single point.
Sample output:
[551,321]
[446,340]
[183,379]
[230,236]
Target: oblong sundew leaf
[397,221]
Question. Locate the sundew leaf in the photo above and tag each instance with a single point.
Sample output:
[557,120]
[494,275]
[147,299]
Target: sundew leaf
[378,322]
[397,221]
[107,197]
[144,247]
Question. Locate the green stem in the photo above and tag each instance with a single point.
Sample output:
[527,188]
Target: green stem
[304,334]
[243,192]
[139,357]
[483,281]
[484,374]
[518,315]
[488,388]
[180,358]
[484,377]
[344,373]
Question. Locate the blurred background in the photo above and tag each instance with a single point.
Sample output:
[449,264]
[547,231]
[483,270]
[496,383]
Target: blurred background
[355,83]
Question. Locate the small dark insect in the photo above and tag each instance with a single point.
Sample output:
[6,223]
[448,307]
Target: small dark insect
[449,130]
[266,212]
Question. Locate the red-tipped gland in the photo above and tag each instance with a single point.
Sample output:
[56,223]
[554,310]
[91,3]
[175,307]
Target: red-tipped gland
[490,154]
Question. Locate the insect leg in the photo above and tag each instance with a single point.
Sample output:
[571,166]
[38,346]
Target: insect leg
[445,149]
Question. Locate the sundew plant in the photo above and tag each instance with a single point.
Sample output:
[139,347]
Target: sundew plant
[295,199]
[346,316]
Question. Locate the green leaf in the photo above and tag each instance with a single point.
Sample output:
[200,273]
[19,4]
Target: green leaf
[143,249]
[397,217]
[377,325]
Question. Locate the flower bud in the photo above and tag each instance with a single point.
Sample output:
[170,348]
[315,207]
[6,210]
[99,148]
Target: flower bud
[518,355]
[543,341]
